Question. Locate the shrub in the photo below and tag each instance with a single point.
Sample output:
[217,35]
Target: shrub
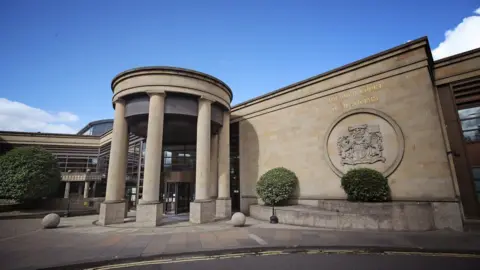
[366,185]
[28,173]
[276,185]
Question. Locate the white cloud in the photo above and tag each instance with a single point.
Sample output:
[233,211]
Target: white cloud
[465,36]
[16,116]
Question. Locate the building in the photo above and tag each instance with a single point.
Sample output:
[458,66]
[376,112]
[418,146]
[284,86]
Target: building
[414,119]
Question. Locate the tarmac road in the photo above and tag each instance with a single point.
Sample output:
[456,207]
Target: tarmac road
[279,260]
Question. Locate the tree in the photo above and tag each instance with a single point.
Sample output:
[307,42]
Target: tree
[366,185]
[28,173]
[276,185]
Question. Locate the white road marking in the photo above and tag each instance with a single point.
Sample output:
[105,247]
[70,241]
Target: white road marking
[131,230]
[257,238]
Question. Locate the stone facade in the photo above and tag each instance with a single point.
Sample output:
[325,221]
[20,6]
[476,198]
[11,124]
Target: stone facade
[202,211]
[396,83]
[112,213]
[383,112]
[149,215]
[343,215]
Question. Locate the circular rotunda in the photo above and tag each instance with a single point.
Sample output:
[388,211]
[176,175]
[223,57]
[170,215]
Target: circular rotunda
[171,108]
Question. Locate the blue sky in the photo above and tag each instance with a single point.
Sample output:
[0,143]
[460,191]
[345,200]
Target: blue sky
[58,57]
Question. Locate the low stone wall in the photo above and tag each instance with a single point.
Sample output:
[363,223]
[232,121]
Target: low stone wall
[9,207]
[392,216]
[56,204]
[72,204]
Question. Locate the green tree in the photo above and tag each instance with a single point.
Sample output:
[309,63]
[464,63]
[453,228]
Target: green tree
[366,185]
[276,185]
[28,173]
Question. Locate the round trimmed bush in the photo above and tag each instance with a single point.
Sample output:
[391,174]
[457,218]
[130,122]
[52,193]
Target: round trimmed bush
[28,173]
[276,185]
[366,185]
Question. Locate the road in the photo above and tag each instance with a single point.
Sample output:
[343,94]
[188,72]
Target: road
[310,260]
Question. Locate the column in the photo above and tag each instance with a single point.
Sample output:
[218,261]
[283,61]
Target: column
[85,189]
[112,210]
[213,179]
[202,210]
[94,189]
[67,190]
[80,190]
[150,210]
[224,203]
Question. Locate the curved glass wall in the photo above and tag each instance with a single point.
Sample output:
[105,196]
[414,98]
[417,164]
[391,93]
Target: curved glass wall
[99,129]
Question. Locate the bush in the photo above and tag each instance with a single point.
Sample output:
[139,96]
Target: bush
[366,185]
[28,173]
[276,185]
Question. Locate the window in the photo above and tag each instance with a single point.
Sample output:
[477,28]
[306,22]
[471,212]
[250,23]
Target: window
[470,121]
[100,129]
[78,164]
[179,157]
[476,179]
[88,132]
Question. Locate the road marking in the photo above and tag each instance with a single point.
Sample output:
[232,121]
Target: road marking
[273,253]
[258,239]
[130,230]
[430,254]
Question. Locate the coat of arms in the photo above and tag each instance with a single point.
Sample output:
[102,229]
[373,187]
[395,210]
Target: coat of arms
[362,145]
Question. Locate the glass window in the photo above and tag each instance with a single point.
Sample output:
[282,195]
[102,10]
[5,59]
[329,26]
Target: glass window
[476,179]
[88,132]
[179,157]
[470,122]
[100,129]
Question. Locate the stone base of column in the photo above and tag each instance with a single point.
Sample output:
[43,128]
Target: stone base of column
[224,208]
[149,214]
[202,211]
[111,213]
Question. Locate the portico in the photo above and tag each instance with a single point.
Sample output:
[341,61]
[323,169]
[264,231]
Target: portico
[170,106]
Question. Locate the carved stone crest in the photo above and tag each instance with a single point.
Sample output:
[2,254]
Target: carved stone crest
[363,144]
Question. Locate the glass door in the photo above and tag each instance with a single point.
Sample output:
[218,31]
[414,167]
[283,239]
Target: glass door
[183,204]
[170,198]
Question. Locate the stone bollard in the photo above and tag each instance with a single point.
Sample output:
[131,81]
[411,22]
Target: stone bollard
[50,221]
[238,219]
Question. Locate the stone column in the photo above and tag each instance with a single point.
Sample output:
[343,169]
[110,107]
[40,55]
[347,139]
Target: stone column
[150,210]
[213,179]
[94,189]
[112,210]
[80,190]
[202,210]
[224,203]
[85,189]
[67,190]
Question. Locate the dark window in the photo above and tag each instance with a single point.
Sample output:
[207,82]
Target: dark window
[179,157]
[470,121]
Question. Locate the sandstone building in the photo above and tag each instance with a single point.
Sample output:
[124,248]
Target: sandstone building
[176,144]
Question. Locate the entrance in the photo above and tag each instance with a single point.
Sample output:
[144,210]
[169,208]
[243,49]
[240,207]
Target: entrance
[177,198]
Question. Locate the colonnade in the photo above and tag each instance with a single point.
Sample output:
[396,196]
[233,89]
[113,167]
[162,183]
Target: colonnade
[212,183]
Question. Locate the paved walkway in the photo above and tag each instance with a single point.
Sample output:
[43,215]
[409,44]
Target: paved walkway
[23,245]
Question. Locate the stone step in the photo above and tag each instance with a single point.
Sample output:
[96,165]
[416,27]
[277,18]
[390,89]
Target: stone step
[396,217]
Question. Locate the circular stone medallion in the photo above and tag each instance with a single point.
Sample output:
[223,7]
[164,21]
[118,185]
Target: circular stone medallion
[364,138]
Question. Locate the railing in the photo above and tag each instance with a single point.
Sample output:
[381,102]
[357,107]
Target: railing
[81,177]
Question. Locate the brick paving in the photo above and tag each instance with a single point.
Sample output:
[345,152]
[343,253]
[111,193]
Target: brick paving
[23,245]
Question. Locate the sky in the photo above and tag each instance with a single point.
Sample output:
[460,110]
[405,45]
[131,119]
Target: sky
[57,58]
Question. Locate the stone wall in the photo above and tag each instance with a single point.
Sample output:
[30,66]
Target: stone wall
[390,94]
[72,204]
[392,216]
